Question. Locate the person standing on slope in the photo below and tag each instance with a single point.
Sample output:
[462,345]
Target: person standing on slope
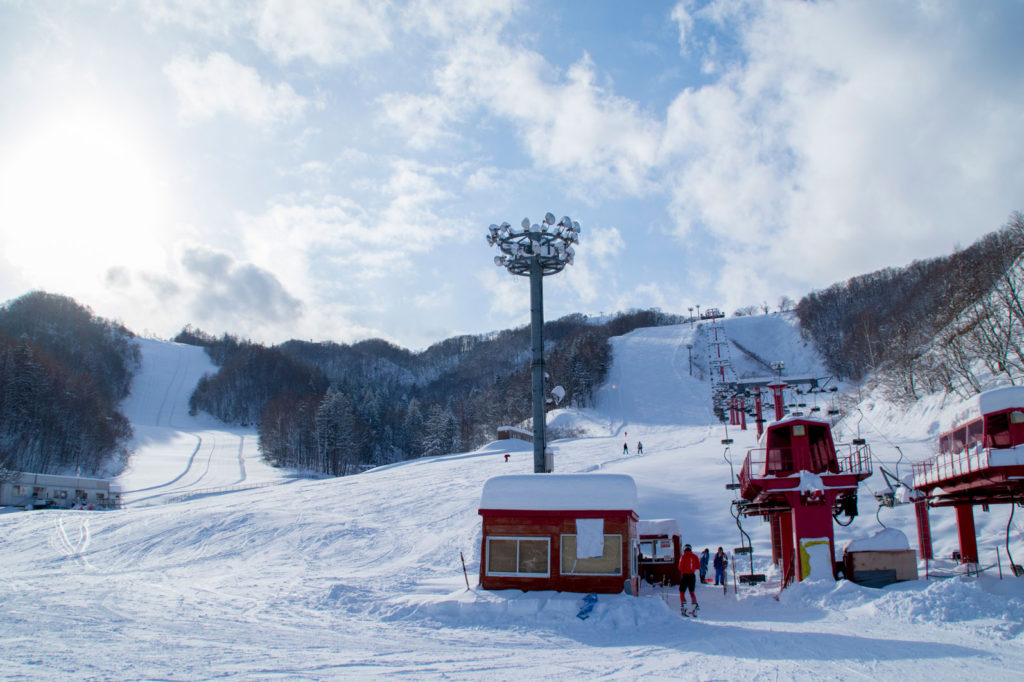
[705,557]
[689,564]
[721,561]
[625,448]
[639,448]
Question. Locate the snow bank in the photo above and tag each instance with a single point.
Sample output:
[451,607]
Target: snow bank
[885,540]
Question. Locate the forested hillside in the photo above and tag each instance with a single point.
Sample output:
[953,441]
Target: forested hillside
[63,372]
[335,408]
[906,324]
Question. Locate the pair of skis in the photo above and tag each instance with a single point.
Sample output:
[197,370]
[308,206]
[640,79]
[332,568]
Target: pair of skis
[691,613]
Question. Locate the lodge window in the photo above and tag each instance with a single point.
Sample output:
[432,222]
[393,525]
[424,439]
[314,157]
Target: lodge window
[609,563]
[38,492]
[60,494]
[524,557]
[81,495]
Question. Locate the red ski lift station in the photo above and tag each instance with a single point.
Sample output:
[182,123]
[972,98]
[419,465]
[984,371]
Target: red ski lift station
[800,481]
[980,461]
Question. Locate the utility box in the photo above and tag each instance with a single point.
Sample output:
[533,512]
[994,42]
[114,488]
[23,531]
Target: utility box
[878,568]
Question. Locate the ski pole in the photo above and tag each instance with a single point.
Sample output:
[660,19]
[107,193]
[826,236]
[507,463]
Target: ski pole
[464,571]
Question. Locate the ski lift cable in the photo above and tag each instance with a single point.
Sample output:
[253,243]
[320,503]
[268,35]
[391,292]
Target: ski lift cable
[1013,508]
[878,518]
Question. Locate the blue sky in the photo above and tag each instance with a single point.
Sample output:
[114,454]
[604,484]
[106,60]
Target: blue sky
[327,170]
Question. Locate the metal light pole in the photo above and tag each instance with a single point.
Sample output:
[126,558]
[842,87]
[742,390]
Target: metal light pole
[536,251]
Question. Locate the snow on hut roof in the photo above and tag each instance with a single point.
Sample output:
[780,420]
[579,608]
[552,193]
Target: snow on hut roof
[996,400]
[668,527]
[555,492]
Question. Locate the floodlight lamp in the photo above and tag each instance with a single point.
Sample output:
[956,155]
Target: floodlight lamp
[549,218]
[525,223]
[499,260]
[566,221]
[575,227]
[490,240]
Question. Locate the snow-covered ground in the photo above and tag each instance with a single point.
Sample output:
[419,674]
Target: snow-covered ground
[362,576]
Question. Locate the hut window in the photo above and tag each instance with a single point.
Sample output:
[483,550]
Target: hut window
[997,430]
[975,433]
[60,494]
[658,549]
[518,556]
[39,492]
[609,563]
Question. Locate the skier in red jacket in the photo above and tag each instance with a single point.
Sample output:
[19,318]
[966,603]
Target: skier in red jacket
[689,564]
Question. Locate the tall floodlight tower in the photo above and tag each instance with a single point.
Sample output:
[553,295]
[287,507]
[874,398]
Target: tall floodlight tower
[536,251]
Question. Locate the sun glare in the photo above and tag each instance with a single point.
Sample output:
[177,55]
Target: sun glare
[78,194]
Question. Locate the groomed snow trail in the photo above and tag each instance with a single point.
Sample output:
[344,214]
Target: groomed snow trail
[177,454]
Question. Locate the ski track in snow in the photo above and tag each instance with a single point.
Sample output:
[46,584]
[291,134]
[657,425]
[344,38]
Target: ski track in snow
[361,577]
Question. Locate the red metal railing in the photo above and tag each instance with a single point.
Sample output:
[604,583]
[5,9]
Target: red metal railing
[950,465]
[850,459]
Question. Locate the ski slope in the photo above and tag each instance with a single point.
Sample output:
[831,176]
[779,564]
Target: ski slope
[176,454]
[362,577]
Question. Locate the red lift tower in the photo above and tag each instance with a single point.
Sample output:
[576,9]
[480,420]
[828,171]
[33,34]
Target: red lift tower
[799,480]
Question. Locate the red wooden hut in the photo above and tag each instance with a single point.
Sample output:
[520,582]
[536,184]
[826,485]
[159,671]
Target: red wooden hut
[570,533]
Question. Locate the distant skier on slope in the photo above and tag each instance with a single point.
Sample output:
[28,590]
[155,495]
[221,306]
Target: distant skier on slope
[639,448]
[625,448]
[705,556]
[689,564]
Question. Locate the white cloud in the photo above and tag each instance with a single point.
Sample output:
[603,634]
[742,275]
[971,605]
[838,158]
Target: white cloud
[422,120]
[681,14]
[851,136]
[214,17]
[327,33]
[453,19]
[572,125]
[220,85]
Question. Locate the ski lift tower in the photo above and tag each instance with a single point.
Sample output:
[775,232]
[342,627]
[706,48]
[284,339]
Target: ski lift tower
[799,480]
[536,251]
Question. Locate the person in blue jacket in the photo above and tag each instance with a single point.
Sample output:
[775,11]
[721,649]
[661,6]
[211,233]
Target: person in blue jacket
[721,561]
[704,558]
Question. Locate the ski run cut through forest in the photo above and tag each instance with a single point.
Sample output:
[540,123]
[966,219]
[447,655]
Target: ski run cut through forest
[222,567]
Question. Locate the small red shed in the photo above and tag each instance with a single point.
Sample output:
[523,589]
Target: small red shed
[564,532]
[659,550]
